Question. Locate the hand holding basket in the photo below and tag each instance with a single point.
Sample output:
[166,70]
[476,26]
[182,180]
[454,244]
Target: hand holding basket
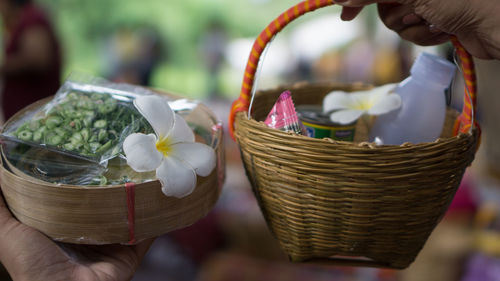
[325,200]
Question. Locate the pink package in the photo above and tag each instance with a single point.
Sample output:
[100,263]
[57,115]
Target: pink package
[283,115]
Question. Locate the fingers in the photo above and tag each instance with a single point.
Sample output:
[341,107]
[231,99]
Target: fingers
[142,248]
[398,17]
[421,35]
[349,13]
[5,214]
[361,3]
[403,20]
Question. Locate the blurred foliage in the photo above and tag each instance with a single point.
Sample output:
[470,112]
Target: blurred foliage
[84,26]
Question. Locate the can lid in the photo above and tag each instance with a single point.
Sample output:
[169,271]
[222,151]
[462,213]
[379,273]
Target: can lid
[314,114]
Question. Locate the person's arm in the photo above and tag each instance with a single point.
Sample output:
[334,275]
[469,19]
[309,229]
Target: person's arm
[35,53]
[27,254]
[474,22]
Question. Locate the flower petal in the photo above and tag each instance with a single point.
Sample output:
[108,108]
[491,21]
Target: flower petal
[200,157]
[346,116]
[141,152]
[386,104]
[379,93]
[336,100]
[181,131]
[158,113]
[176,177]
[382,91]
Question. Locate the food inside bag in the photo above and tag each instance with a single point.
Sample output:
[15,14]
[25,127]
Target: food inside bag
[77,137]
[89,125]
[88,119]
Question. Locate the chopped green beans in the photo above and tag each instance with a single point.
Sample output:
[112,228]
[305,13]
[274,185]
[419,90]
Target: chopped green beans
[37,136]
[85,134]
[94,146]
[104,147]
[88,124]
[102,135]
[53,121]
[25,135]
[69,146]
[53,139]
[100,124]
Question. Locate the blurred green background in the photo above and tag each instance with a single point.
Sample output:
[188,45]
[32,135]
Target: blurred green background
[86,26]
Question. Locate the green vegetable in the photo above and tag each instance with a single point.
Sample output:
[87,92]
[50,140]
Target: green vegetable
[104,147]
[60,131]
[85,134]
[76,124]
[94,146]
[53,121]
[69,146]
[108,106]
[96,96]
[34,125]
[53,139]
[102,135]
[103,180]
[88,124]
[73,96]
[100,124]
[77,137]
[85,104]
[37,136]
[25,135]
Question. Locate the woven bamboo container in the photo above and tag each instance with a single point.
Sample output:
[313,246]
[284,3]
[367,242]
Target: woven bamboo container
[124,214]
[354,203]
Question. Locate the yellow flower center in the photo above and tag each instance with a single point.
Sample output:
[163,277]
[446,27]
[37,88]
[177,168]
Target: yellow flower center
[364,104]
[164,146]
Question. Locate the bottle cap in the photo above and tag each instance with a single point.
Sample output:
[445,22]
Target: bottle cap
[433,68]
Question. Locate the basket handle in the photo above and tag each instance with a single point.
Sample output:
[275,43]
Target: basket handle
[463,123]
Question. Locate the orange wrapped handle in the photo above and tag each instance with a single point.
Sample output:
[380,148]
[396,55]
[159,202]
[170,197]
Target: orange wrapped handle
[463,124]
[466,119]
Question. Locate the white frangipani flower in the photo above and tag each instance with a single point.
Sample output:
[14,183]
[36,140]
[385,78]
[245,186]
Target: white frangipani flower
[348,107]
[172,151]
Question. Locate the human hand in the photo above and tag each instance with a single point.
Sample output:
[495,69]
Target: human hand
[27,254]
[473,22]
[402,19]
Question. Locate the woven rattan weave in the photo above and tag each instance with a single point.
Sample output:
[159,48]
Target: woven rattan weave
[348,202]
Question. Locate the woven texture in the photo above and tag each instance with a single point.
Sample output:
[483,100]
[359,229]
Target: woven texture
[323,198]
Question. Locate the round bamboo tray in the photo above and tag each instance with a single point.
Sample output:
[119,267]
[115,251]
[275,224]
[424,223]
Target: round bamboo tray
[352,203]
[124,214]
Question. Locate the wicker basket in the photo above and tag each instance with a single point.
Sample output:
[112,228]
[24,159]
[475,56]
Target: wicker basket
[341,202]
[124,214]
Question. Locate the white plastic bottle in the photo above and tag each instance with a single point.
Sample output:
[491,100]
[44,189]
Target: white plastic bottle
[421,115]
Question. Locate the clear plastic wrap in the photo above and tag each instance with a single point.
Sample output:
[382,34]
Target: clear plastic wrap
[77,137]
[86,120]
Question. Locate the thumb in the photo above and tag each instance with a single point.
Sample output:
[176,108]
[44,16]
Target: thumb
[349,13]
[4,211]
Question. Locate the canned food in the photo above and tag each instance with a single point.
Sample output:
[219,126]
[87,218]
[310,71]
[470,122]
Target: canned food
[318,125]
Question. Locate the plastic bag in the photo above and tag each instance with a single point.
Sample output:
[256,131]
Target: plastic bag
[87,120]
[77,137]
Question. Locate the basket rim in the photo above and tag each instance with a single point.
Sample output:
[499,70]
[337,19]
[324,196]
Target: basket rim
[241,119]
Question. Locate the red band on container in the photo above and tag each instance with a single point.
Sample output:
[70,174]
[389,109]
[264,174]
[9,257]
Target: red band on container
[130,189]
